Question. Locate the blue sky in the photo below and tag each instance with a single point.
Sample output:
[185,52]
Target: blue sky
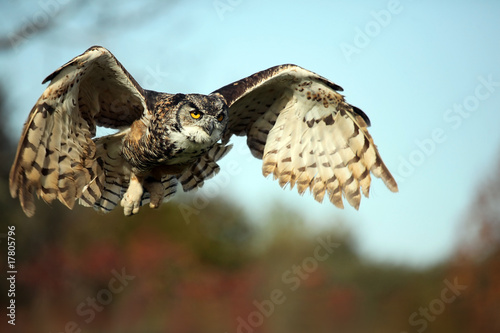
[427,74]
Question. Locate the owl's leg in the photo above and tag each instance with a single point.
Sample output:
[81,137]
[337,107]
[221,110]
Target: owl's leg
[131,201]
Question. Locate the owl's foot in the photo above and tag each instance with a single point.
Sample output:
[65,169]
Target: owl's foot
[156,192]
[131,201]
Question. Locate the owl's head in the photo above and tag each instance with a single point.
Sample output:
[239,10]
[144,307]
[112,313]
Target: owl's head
[202,118]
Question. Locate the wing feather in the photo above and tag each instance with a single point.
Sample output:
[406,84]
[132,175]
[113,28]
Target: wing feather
[56,156]
[205,168]
[305,133]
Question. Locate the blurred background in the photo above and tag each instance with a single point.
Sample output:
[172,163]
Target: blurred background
[243,255]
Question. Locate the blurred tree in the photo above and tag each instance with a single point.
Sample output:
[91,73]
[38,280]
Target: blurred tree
[6,148]
[46,16]
[481,231]
[477,264]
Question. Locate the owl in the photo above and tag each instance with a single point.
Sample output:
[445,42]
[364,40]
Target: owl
[307,136]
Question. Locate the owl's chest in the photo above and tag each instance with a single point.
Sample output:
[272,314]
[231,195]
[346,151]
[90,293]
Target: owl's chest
[146,149]
[182,150]
[184,153]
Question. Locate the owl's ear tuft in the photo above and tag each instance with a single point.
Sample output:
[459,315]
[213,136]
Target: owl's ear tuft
[177,98]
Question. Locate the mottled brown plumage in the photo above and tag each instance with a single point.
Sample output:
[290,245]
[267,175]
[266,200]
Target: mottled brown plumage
[294,120]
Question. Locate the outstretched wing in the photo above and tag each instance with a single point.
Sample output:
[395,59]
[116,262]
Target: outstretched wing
[56,157]
[305,133]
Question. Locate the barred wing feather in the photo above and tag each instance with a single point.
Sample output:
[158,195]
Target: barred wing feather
[305,133]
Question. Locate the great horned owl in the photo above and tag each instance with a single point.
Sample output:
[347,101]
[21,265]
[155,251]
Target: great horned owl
[294,120]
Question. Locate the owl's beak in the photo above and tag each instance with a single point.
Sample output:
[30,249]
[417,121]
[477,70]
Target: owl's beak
[209,128]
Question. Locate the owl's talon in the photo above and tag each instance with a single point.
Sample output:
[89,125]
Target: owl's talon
[156,191]
[131,201]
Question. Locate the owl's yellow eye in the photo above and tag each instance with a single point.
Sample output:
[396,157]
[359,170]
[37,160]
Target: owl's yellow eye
[220,117]
[196,114]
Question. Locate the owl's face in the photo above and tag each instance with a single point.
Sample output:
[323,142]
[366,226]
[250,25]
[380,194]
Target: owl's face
[203,118]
